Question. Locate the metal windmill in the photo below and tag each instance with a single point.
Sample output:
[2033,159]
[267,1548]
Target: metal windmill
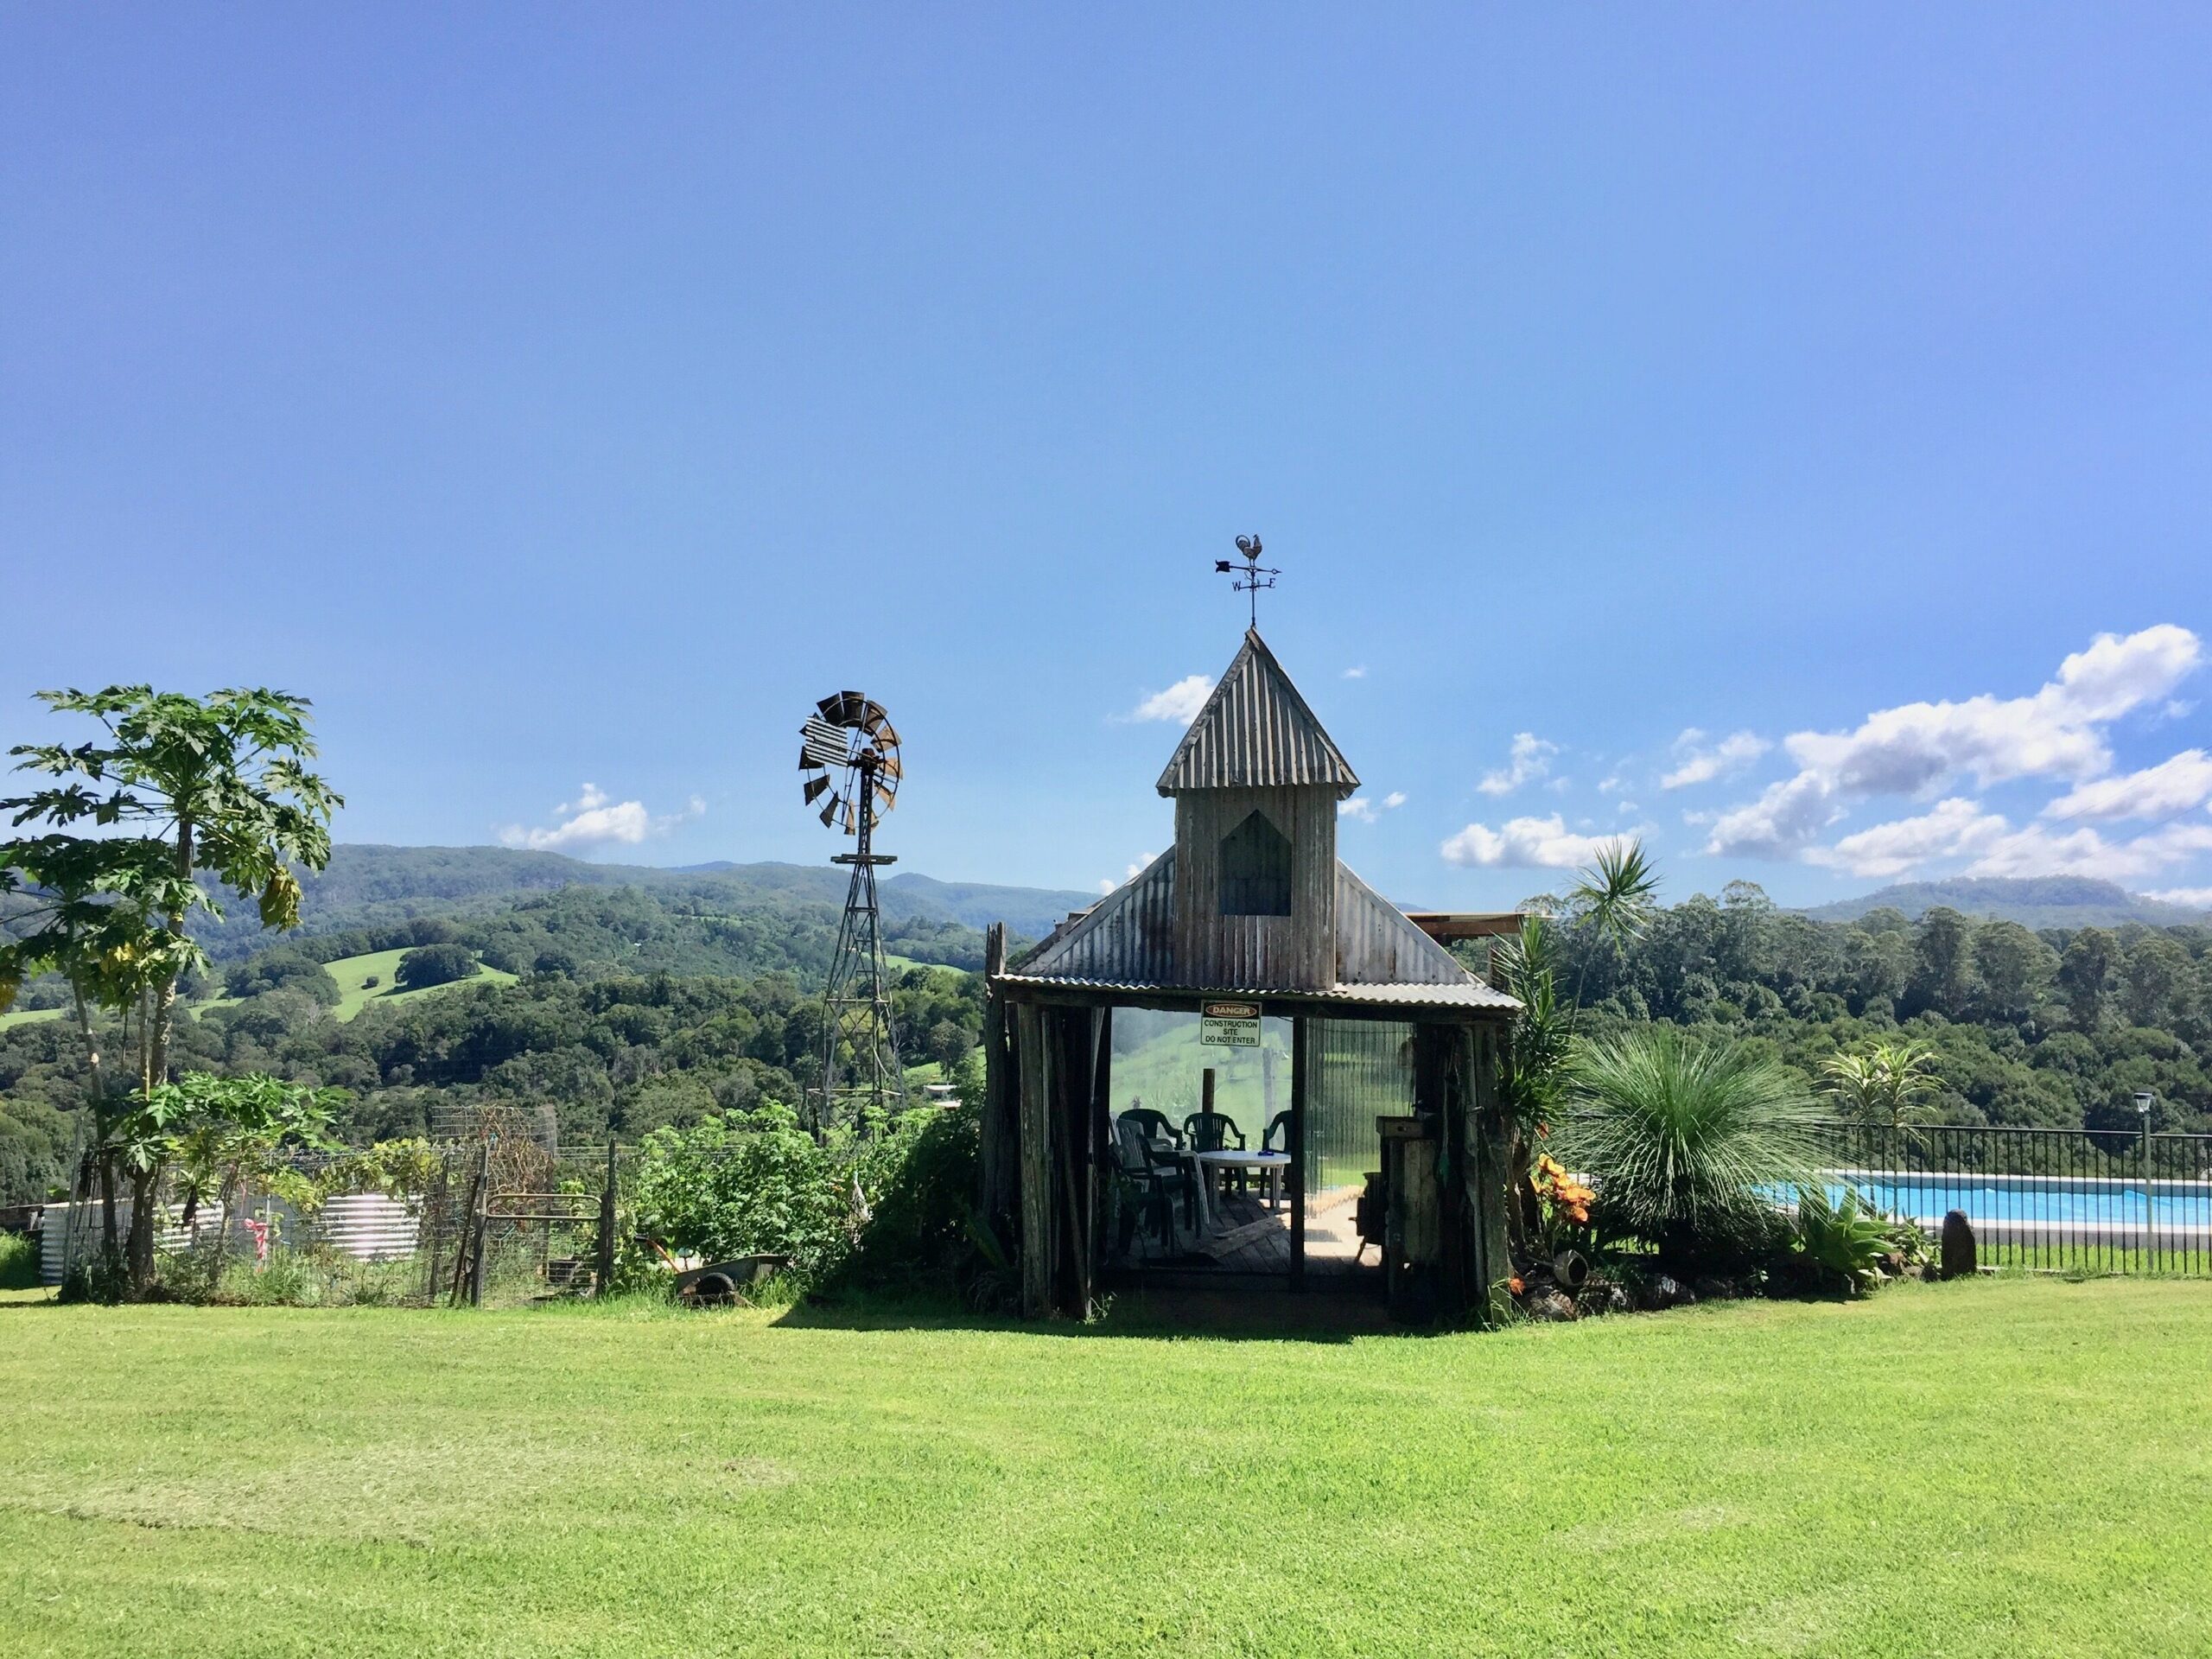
[849,751]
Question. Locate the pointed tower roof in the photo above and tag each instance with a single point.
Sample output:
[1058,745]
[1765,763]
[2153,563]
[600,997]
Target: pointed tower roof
[1256,731]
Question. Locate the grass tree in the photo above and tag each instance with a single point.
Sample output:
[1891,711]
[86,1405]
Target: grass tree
[194,796]
[1689,1141]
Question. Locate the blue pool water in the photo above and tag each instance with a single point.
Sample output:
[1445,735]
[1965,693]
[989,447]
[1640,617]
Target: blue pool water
[2053,1203]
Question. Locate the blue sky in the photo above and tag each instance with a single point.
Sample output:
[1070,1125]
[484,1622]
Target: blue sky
[566,397]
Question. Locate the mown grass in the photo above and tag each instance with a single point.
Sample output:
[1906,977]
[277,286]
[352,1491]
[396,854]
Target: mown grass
[1998,1468]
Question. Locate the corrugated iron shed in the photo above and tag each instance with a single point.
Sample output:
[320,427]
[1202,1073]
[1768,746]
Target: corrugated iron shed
[1257,732]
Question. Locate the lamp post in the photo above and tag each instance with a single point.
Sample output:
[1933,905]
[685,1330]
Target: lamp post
[2144,1101]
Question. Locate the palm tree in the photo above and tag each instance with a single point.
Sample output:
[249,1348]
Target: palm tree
[1882,1084]
[1613,897]
[1690,1143]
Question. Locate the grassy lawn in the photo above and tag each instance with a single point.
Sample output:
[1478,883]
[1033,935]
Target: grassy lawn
[2000,1468]
[25,1016]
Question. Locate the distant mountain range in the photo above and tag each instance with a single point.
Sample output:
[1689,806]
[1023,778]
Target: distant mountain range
[2032,901]
[365,874]
[370,885]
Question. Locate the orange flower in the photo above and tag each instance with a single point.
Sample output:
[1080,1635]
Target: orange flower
[1515,1285]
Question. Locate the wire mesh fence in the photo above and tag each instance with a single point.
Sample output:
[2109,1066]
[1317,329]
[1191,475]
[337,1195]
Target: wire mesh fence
[2067,1200]
[491,1213]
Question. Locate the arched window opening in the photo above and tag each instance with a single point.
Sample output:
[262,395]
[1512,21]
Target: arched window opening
[1255,868]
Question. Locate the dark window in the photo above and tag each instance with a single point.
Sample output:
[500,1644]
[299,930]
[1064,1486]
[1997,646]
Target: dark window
[1255,870]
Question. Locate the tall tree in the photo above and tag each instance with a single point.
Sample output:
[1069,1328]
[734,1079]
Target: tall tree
[2156,978]
[2015,969]
[1944,977]
[221,785]
[2083,972]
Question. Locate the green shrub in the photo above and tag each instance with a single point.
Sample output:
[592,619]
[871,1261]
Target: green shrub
[922,1181]
[1842,1244]
[753,1183]
[1688,1142]
[888,1211]
[18,1262]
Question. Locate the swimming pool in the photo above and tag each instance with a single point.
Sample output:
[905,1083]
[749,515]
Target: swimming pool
[2033,1204]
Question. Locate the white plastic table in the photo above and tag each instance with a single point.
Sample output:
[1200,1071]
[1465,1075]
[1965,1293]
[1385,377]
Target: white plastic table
[1271,1164]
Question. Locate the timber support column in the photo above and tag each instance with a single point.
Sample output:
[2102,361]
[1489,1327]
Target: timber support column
[1301,1085]
[999,1121]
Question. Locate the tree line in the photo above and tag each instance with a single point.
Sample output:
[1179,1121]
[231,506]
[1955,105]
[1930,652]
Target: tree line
[2055,1027]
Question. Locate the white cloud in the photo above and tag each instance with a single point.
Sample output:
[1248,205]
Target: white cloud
[1612,784]
[2158,791]
[1959,829]
[1916,748]
[2037,851]
[1142,862]
[2195,898]
[1358,673]
[1526,843]
[1179,702]
[1701,762]
[1781,820]
[595,819]
[1530,758]
[1367,811]
[1954,827]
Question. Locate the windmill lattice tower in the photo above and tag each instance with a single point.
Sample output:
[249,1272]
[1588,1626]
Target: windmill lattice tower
[850,751]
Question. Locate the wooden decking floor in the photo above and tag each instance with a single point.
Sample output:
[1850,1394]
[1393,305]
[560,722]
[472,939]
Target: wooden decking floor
[1248,1237]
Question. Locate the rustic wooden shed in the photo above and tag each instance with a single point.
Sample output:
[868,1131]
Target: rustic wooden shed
[1252,903]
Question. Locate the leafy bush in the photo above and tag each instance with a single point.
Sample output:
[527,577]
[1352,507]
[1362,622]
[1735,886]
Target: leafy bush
[752,1183]
[1685,1141]
[889,1211]
[18,1262]
[922,1180]
[1842,1242]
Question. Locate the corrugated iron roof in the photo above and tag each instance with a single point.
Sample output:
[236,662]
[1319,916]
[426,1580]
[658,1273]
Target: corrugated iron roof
[1474,994]
[1257,732]
[1126,942]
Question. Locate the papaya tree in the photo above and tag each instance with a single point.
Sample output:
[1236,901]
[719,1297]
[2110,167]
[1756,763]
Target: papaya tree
[215,796]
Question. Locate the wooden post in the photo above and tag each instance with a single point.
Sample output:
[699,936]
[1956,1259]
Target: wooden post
[1032,1071]
[1301,1086]
[483,1222]
[1493,1179]
[1000,1153]
[603,1280]
[1101,1150]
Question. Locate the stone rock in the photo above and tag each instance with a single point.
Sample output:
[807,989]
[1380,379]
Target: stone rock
[1959,1252]
[1551,1305]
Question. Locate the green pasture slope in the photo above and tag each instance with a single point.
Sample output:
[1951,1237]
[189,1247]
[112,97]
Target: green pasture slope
[352,973]
[1994,1468]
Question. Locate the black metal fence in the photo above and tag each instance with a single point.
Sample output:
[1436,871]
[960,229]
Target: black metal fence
[2066,1201]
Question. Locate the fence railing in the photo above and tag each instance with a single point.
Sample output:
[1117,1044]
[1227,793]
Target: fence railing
[2086,1200]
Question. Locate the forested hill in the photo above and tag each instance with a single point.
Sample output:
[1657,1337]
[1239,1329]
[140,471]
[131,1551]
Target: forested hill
[369,886]
[2034,901]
